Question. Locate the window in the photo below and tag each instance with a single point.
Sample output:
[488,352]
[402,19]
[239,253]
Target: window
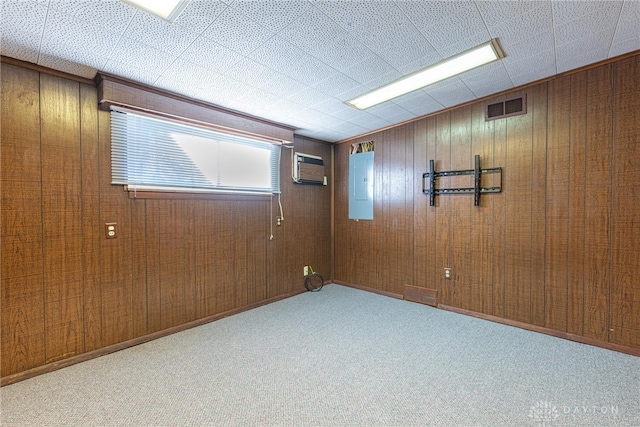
[156,154]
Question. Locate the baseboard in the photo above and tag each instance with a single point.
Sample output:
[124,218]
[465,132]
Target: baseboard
[54,366]
[547,331]
[368,289]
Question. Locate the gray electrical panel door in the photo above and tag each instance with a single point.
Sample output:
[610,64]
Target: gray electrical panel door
[361,185]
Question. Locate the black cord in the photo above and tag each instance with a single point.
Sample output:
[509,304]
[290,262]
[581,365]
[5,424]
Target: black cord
[313,287]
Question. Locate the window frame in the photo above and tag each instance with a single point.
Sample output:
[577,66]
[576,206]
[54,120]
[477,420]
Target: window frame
[168,192]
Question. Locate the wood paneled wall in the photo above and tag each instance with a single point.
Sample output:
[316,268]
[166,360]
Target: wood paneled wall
[66,290]
[559,248]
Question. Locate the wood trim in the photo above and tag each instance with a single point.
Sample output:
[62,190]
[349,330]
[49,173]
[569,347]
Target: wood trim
[186,195]
[547,331]
[368,289]
[102,78]
[54,366]
[495,95]
[41,69]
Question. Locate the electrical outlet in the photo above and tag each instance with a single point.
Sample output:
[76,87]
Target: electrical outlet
[306,270]
[110,230]
[447,273]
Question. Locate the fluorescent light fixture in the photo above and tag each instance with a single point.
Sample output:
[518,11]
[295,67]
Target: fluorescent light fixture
[465,61]
[168,10]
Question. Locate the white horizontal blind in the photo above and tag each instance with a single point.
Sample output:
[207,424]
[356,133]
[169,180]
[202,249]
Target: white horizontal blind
[156,154]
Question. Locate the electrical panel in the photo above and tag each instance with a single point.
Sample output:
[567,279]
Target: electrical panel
[361,185]
[308,169]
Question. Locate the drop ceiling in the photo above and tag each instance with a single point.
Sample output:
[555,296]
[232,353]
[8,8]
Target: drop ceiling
[297,61]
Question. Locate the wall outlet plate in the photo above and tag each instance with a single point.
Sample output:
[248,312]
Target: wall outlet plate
[306,270]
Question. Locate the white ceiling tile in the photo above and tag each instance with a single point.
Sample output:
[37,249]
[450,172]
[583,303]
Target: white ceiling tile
[312,31]
[371,122]
[309,70]
[141,56]
[625,46]
[209,54]
[335,84]
[567,11]
[522,26]
[225,89]
[410,56]
[369,69]
[540,61]
[530,45]
[457,29]
[348,128]
[237,32]
[343,52]
[22,28]
[66,66]
[420,63]
[19,49]
[278,54]
[425,14]
[627,29]
[185,77]
[156,32]
[330,106]
[111,16]
[495,13]
[301,59]
[471,41]
[493,75]
[597,42]
[84,46]
[603,20]
[379,25]
[249,72]
[418,102]
[452,94]
[491,87]
[580,60]
[630,10]
[390,111]
[200,14]
[288,108]
[273,15]
[307,96]
[131,71]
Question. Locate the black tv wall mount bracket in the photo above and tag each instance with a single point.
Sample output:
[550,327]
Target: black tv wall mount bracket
[429,182]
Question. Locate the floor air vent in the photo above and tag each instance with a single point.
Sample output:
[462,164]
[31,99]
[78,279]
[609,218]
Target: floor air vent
[421,295]
[507,108]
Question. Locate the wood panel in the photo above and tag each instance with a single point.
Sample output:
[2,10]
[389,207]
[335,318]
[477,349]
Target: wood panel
[61,207]
[460,208]
[537,106]
[557,204]
[443,216]
[91,228]
[481,243]
[557,249]
[577,178]
[598,203]
[518,173]
[499,221]
[67,290]
[625,216]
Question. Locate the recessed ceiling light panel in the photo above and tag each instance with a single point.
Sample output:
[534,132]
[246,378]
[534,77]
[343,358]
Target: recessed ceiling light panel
[168,10]
[465,61]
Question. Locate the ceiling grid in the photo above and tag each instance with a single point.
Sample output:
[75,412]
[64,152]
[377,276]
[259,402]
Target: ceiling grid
[297,61]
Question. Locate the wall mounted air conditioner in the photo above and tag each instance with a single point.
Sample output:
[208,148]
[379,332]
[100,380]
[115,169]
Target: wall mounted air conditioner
[308,169]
